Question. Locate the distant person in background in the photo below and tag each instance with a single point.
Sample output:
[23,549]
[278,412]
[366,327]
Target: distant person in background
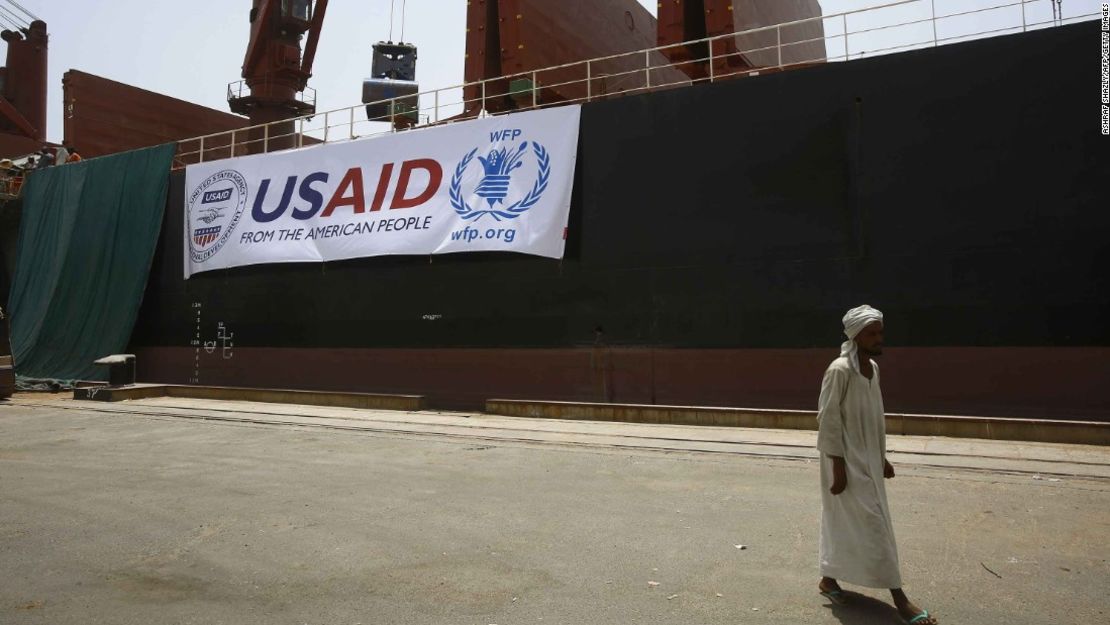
[61,155]
[857,536]
[73,156]
[46,159]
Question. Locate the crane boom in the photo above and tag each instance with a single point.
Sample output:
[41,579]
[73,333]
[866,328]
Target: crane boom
[261,16]
[313,36]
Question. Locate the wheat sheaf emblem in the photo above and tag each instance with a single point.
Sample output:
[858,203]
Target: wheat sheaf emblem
[497,169]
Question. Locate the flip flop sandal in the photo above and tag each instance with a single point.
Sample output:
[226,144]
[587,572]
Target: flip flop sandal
[836,596]
[924,616]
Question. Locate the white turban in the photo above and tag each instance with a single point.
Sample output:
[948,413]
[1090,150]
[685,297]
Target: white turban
[855,320]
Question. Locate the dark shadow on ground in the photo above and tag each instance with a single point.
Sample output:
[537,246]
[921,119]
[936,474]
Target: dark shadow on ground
[864,610]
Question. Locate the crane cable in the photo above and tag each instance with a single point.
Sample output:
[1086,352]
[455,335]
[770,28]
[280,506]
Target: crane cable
[391,20]
[403,3]
[20,7]
[14,19]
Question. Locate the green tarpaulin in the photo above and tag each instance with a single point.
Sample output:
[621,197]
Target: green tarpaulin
[86,239]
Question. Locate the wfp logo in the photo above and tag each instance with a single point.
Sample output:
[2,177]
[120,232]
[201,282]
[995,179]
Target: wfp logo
[494,189]
[214,209]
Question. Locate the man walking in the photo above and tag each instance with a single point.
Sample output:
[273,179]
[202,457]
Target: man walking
[857,537]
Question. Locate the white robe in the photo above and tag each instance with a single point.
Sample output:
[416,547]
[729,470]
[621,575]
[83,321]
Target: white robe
[857,537]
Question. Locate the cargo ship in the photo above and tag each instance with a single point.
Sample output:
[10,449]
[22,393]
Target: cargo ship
[718,232]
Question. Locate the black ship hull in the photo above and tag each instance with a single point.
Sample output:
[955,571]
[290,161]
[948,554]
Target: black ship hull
[717,235]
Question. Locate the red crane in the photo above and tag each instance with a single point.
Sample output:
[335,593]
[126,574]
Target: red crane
[275,71]
[23,90]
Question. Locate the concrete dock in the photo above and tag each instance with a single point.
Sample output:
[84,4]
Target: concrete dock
[178,510]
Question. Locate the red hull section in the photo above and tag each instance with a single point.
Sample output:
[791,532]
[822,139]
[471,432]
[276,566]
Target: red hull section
[689,20]
[105,117]
[975,381]
[506,37]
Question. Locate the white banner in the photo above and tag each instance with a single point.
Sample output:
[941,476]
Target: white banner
[496,184]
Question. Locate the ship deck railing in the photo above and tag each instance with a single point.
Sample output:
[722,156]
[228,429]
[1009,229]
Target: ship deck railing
[888,28]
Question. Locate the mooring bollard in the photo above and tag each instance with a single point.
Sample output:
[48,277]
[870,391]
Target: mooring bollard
[121,369]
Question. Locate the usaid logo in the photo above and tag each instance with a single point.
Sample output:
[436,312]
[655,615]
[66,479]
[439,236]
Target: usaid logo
[214,209]
[500,167]
[216,196]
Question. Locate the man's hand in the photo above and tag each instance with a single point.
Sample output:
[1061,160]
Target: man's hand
[888,470]
[840,476]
